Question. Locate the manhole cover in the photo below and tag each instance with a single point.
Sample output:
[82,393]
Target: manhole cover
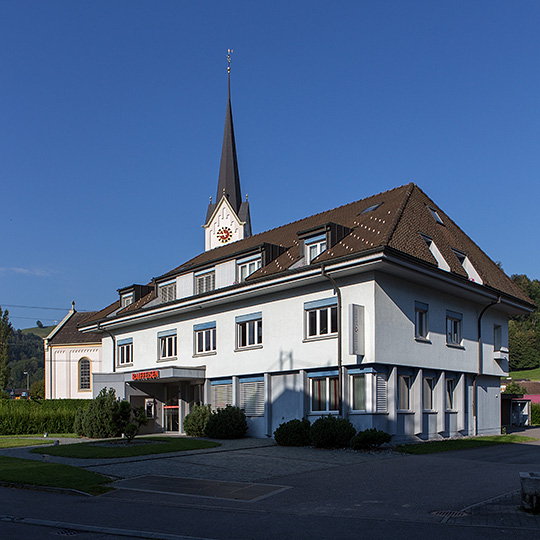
[449,513]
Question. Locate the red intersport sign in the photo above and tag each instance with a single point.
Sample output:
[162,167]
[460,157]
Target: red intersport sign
[145,375]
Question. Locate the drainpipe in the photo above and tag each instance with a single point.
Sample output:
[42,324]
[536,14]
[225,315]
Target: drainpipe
[480,364]
[114,346]
[340,375]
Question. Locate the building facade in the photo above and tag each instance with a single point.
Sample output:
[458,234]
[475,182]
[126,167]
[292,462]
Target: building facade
[382,311]
[71,358]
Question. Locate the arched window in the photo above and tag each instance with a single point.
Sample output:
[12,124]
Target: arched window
[84,374]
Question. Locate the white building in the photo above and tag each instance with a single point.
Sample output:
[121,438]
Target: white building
[71,358]
[382,310]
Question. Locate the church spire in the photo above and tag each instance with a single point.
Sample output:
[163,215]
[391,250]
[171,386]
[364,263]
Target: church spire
[223,226]
[229,177]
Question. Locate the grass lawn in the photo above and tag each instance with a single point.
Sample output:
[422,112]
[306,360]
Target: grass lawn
[10,441]
[35,473]
[461,444]
[532,374]
[119,448]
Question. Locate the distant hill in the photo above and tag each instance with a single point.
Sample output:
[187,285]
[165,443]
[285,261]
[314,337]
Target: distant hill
[41,332]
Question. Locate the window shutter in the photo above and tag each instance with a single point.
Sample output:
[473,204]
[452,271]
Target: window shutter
[381,393]
[252,398]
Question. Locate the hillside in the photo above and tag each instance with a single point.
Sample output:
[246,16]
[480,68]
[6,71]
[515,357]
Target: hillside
[41,332]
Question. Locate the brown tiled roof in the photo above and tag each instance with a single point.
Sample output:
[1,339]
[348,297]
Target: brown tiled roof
[69,334]
[532,387]
[399,222]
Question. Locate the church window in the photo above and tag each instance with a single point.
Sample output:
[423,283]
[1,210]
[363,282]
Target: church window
[84,374]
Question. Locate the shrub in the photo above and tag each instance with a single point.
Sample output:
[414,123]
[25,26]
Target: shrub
[227,423]
[195,422]
[535,414]
[26,417]
[369,439]
[97,421]
[37,390]
[331,432]
[293,433]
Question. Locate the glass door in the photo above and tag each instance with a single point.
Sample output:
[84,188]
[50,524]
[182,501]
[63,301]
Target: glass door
[171,409]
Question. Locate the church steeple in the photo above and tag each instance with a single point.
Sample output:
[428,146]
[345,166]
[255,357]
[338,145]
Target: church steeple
[228,218]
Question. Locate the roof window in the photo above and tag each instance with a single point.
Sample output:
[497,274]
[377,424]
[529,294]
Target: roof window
[435,215]
[371,208]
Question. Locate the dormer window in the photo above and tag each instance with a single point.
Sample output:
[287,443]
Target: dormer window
[126,299]
[167,292]
[205,281]
[315,246]
[441,263]
[246,266]
[472,274]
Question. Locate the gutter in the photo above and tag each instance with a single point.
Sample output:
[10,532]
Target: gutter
[339,353]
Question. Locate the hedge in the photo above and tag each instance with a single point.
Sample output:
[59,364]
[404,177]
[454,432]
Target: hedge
[29,417]
[535,414]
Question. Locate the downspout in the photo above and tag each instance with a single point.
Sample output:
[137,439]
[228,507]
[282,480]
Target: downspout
[340,374]
[114,346]
[480,364]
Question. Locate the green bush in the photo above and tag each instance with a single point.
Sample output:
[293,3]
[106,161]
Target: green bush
[369,439]
[535,414]
[227,423]
[293,433]
[29,416]
[98,422]
[332,432]
[195,422]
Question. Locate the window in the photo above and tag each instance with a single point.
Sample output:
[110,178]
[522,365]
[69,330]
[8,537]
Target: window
[84,374]
[167,292]
[470,270]
[125,351]
[246,267]
[420,320]
[315,246]
[435,215]
[497,337]
[404,391]
[249,330]
[321,318]
[429,387]
[167,344]
[371,208]
[127,299]
[324,394]
[221,393]
[453,328]
[205,338]
[252,396]
[359,392]
[205,282]
[381,393]
[437,255]
[450,391]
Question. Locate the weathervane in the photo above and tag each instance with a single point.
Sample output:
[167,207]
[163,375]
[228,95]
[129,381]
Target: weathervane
[229,52]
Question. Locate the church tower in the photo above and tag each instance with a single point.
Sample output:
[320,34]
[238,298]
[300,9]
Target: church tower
[227,220]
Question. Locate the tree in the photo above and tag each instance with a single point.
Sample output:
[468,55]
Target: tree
[5,332]
[514,388]
[39,324]
[524,331]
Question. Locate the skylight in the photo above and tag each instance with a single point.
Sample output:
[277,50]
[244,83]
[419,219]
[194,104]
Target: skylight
[370,208]
[436,216]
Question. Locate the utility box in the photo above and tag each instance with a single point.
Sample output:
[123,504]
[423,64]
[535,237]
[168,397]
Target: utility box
[530,491]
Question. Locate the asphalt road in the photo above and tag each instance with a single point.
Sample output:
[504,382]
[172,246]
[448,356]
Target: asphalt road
[318,494]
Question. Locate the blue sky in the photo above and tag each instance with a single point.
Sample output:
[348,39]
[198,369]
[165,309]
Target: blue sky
[111,122]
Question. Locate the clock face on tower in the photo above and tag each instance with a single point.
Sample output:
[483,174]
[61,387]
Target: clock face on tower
[224,234]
